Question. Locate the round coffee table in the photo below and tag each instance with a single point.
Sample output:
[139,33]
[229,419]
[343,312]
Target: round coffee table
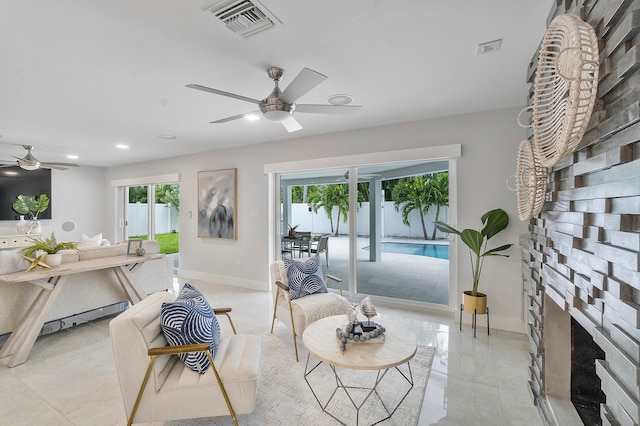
[399,347]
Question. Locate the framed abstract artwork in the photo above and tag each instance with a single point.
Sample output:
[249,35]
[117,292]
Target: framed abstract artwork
[217,204]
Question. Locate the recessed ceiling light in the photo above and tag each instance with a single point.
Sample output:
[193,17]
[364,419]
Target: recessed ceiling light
[252,117]
[72,157]
[340,99]
[122,146]
[166,136]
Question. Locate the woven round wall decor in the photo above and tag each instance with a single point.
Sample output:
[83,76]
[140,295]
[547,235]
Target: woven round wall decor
[531,182]
[565,87]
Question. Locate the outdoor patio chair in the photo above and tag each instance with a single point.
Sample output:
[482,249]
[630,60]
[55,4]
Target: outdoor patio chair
[321,246]
[296,314]
[302,242]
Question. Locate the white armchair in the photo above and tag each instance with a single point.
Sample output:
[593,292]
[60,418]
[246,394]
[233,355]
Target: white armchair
[298,313]
[157,386]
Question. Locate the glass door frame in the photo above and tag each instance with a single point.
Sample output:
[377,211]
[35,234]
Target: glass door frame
[121,194]
[427,154]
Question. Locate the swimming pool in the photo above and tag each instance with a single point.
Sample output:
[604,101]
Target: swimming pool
[438,251]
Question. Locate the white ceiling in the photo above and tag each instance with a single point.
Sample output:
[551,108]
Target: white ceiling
[78,77]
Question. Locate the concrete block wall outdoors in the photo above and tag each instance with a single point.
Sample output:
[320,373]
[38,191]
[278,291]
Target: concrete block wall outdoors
[583,251]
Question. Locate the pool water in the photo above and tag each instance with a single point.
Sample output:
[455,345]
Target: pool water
[438,251]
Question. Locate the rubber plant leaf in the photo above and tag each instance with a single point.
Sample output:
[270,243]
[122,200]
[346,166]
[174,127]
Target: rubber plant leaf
[493,252]
[473,239]
[494,221]
[443,227]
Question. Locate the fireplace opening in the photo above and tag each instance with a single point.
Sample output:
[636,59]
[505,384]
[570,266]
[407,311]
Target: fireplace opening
[586,391]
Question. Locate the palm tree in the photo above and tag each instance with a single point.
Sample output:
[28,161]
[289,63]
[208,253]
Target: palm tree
[328,197]
[412,194]
[439,192]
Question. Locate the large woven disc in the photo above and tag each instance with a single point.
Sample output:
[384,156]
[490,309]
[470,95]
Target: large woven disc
[565,87]
[531,182]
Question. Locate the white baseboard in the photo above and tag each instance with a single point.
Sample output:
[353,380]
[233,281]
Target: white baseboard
[222,279]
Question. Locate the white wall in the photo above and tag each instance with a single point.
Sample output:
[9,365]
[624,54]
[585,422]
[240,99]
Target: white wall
[489,145]
[77,195]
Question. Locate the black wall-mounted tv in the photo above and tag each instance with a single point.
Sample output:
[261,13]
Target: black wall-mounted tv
[15,181]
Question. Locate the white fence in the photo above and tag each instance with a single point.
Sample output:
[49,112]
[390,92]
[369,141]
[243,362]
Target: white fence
[392,225]
[167,219]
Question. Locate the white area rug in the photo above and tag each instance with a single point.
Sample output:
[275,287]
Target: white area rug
[284,398]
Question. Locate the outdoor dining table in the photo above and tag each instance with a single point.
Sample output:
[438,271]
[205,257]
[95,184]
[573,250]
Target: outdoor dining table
[300,243]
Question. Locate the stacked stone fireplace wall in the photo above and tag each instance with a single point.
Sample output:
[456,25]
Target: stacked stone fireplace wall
[583,251]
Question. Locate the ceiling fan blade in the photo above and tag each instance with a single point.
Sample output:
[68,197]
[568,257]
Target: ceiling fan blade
[8,165]
[223,93]
[306,80]
[58,165]
[291,124]
[235,117]
[329,109]
[44,166]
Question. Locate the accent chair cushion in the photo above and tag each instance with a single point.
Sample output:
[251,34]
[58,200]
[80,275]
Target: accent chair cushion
[190,320]
[304,276]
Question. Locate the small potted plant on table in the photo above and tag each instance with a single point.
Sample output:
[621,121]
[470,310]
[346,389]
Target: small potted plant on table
[50,246]
[494,222]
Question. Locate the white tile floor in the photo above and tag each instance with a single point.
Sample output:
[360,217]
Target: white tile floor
[69,378]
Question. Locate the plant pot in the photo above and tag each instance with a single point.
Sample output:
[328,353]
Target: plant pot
[36,227]
[54,260]
[23,226]
[474,304]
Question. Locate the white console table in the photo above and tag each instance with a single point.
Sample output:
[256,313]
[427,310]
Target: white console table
[19,344]
[17,241]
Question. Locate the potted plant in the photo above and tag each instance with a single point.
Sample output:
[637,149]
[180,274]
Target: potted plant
[494,222]
[50,246]
[25,204]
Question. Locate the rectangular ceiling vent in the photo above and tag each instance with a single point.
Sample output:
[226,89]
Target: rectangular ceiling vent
[244,17]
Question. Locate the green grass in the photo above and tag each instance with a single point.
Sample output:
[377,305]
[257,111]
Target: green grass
[169,243]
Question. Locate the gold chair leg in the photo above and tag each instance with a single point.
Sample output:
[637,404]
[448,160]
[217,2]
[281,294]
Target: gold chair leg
[223,390]
[293,328]
[275,306]
[142,386]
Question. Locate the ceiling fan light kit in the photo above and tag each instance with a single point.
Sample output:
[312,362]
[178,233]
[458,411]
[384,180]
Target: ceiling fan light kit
[280,105]
[29,162]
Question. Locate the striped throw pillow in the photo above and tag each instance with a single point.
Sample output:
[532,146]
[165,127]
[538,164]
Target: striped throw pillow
[304,276]
[190,320]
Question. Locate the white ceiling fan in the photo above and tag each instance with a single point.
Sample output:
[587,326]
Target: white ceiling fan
[29,162]
[281,105]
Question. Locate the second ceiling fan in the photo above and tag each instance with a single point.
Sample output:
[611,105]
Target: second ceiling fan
[280,105]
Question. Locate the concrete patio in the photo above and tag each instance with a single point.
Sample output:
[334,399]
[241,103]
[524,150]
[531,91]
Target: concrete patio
[397,276]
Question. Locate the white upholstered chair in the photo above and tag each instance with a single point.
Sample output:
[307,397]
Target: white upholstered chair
[157,386]
[298,313]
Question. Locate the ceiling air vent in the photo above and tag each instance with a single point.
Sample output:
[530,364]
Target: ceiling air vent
[244,17]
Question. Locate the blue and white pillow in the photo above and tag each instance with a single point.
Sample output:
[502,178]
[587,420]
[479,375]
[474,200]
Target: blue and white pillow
[190,320]
[304,276]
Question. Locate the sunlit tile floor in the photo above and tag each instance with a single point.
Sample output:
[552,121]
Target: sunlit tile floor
[69,377]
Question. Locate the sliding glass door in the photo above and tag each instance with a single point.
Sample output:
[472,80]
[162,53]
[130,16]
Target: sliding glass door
[151,211]
[376,239]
